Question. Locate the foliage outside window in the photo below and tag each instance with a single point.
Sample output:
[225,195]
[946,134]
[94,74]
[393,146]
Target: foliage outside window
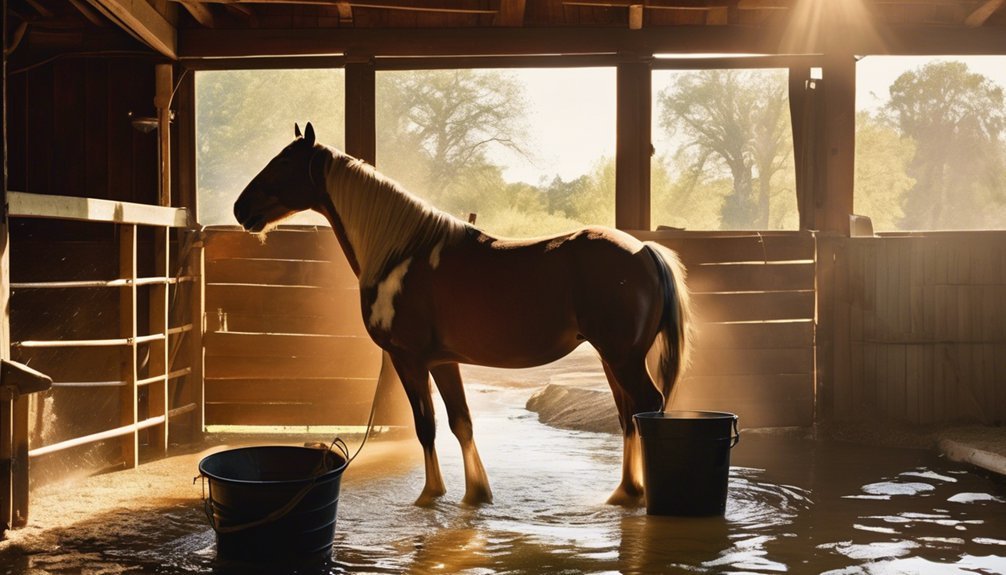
[245,117]
[724,150]
[530,151]
[930,149]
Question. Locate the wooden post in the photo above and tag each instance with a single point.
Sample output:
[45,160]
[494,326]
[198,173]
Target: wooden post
[6,407]
[163,86]
[193,391]
[839,123]
[159,307]
[361,115]
[633,147]
[833,207]
[127,329]
[196,383]
[160,363]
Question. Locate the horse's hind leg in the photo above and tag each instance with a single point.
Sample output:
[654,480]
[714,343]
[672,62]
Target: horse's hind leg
[452,391]
[634,392]
[416,381]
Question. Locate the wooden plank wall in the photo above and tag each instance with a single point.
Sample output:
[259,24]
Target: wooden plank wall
[754,301]
[927,324]
[70,131]
[70,134]
[285,341]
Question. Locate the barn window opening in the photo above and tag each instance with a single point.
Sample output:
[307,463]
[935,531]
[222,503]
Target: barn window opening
[528,151]
[931,142]
[244,117]
[723,150]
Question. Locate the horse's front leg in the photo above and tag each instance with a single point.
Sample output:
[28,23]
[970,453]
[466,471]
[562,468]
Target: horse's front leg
[416,380]
[452,391]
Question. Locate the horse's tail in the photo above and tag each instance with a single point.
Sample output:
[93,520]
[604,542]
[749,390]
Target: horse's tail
[672,342]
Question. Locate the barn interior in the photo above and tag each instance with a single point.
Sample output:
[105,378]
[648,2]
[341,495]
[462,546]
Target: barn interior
[163,334]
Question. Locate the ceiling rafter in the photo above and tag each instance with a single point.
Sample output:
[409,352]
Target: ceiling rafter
[982,13]
[200,12]
[345,12]
[511,13]
[143,21]
[85,9]
[408,5]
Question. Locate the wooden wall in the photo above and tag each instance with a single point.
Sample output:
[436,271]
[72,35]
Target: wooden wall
[70,135]
[285,341]
[754,302]
[926,321]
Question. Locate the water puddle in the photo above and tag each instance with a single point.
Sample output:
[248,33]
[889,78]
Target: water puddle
[795,506]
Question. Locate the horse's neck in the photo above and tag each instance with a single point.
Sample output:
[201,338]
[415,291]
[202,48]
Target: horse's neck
[380,223]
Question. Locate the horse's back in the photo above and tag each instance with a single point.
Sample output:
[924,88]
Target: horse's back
[526,302]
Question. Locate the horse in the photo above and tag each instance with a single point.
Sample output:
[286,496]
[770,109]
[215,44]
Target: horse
[436,292]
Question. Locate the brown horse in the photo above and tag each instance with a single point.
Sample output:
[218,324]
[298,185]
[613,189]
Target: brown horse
[437,292]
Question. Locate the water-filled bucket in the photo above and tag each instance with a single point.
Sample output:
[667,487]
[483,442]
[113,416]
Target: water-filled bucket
[686,460]
[273,503]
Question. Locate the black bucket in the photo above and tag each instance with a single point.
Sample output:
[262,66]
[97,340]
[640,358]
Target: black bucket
[274,503]
[686,460]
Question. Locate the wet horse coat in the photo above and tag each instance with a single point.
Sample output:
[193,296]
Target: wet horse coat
[437,292]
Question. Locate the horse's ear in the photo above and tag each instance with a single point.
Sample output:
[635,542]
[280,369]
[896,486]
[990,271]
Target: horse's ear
[296,130]
[309,134]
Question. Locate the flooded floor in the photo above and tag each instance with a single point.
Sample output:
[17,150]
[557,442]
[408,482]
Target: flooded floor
[796,505]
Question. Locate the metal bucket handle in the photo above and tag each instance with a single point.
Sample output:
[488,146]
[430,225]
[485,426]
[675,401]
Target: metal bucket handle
[735,438]
[282,511]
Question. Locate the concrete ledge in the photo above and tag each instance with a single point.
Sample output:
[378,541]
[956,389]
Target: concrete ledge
[959,451]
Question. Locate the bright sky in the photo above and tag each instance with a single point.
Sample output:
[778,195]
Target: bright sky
[571,118]
[571,122]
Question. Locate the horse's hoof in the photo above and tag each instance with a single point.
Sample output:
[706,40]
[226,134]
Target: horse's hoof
[626,497]
[478,497]
[429,496]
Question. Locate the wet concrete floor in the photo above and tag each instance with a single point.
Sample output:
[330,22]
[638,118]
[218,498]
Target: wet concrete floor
[796,505]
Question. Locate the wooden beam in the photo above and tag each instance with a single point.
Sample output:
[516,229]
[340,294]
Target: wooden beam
[200,12]
[23,204]
[141,19]
[511,13]
[635,16]
[6,407]
[361,114]
[982,13]
[89,13]
[129,395]
[405,5]
[891,40]
[632,146]
[345,12]
[838,123]
[164,89]
[497,41]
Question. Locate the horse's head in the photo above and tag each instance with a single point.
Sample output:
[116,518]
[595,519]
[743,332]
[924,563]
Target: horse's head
[285,186]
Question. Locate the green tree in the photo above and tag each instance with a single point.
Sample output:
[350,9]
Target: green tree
[956,118]
[687,202]
[882,181]
[245,117]
[737,121]
[435,128]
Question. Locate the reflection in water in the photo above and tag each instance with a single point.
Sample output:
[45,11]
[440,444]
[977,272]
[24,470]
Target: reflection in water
[795,506]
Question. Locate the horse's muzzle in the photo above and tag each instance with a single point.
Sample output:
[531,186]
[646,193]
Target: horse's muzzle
[245,217]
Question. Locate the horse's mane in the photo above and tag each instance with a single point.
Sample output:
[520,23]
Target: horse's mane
[385,224]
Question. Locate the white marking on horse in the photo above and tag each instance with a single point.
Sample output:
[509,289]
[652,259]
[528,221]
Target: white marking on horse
[382,311]
[435,255]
